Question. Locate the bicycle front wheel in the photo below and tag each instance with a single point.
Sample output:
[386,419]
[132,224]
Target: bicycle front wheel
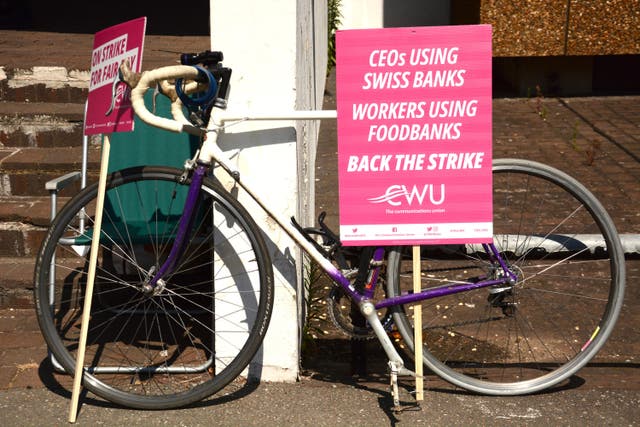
[526,336]
[201,327]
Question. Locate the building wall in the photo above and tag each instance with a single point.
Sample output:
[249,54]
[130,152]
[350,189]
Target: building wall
[571,27]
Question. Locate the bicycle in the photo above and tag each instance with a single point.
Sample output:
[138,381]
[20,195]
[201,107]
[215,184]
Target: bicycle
[182,303]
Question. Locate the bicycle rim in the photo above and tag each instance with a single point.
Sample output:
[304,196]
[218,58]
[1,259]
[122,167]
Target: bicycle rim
[531,335]
[192,338]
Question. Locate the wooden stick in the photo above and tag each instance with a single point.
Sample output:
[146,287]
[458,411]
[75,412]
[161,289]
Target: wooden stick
[417,325]
[93,260]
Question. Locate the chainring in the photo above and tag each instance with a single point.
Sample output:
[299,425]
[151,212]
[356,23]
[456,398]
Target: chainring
[340,312]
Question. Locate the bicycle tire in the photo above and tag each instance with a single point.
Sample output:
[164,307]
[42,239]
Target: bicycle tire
[537,333]
[191,339]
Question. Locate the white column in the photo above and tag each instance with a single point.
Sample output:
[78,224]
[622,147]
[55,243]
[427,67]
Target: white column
[259,41]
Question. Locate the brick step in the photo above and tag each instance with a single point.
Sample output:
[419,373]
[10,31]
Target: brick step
[41,124]
[35,211]
[16,286]
[44,84]
[24,171]
[73,51]
[23,223]
[55,67]
[19,239]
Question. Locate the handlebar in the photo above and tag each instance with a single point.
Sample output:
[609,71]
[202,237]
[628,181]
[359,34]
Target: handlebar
[159,77]
[170,80]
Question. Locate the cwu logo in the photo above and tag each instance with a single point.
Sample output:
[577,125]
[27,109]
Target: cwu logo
[396,195]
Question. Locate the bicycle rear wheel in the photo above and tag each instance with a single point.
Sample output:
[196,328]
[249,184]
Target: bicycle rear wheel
[191,339]
[528,336]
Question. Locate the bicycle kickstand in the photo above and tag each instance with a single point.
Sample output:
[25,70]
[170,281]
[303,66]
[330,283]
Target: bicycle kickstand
[396,369]
[393,376]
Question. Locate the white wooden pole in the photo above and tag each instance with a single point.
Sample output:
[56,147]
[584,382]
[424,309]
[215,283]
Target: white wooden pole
[417,325]
[93,260]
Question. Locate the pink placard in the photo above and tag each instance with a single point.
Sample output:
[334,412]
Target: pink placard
[111,46]
[414,135]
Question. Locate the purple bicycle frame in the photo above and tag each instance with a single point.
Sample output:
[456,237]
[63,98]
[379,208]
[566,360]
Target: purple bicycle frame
[182,237]
[408,298]
[184,226]
[449,289]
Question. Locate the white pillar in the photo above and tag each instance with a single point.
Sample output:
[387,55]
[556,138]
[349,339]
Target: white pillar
[268,46]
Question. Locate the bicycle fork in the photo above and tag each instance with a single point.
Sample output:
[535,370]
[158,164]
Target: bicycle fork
[155,283]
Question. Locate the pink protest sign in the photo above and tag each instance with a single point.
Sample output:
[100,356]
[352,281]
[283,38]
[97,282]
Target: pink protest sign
[414,135]
[111,47]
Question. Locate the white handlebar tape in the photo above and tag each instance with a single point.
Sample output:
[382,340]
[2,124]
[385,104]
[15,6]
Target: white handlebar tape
[150,79]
